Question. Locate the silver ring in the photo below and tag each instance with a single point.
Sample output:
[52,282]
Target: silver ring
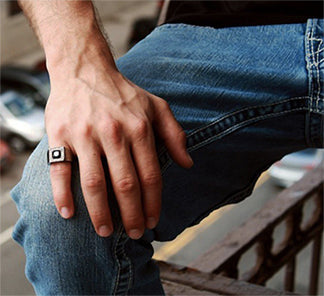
[59,154]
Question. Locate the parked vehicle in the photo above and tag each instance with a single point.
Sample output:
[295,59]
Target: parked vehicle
[32,83]
[21,121]
[293,166]
[5,156]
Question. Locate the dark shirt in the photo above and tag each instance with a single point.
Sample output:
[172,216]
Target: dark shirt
[222,13]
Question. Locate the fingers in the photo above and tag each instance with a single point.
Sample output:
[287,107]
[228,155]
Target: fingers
[94,189]
[61,186]
[148,171]
[171,132]
[125,182]
[128,143]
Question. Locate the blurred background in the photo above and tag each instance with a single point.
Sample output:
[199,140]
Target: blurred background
[24,91]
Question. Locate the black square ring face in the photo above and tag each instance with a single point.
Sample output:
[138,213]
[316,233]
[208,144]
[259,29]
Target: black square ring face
[56,154]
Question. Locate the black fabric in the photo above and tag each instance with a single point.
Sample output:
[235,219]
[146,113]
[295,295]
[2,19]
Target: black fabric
[222,13]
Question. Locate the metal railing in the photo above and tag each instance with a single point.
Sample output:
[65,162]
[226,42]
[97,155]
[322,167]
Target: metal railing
[297,211]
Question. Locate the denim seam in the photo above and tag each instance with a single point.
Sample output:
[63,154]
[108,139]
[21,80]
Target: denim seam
[164,149]
[309,67]
[130,266]
[116,258]
[181,25]
[313,48]
[317,68]
[246,109]
[227,131]
[120,246]
[242,124]
[315,62]
[119,235]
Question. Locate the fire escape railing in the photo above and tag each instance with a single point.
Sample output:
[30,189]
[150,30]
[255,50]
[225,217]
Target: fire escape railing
[220,265]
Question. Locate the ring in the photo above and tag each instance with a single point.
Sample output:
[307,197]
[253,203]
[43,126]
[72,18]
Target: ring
[59,154]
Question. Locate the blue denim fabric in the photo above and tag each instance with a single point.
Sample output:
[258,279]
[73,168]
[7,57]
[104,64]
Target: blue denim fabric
[246,96]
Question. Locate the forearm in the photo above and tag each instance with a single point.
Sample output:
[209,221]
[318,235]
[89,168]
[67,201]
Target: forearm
[69,33]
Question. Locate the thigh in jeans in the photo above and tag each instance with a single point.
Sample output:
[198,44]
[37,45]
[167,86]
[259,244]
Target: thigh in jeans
[246,99]
[246,96]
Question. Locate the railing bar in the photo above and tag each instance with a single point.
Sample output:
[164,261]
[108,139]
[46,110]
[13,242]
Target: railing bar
[316,257]
[290,275]
[237,242]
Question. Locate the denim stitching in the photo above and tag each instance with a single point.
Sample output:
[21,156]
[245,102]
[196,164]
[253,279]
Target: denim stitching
[316,65]
[320,50]
[120,255]
[313,63]
[163,155]
[317,72]
[309,67]
[130,265]
[166,160]
[115,255]
[243,124]
[318,77]
[120,231]
[246,109]
[313,49]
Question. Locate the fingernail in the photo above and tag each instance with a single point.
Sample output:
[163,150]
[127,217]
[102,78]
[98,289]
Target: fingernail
[104,230]
[135,233]
[65,212]
[151,222]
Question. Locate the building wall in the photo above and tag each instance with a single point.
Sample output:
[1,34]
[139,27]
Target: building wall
[17,38]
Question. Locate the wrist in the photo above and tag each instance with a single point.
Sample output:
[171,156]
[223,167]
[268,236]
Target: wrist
[73,37]
[76,48]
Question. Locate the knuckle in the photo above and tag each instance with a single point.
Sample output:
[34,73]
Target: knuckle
[141,128]
[153,179]
[165,105]
[85,130]
[126,185]
[93,181]
[98,217]
[134,221]
[112,129]
[57,131]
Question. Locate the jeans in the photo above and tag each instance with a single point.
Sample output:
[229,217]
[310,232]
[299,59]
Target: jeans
[245,96]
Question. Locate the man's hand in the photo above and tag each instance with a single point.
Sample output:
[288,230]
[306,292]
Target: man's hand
[95,111]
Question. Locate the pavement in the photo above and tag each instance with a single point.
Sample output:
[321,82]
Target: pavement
[13,280]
